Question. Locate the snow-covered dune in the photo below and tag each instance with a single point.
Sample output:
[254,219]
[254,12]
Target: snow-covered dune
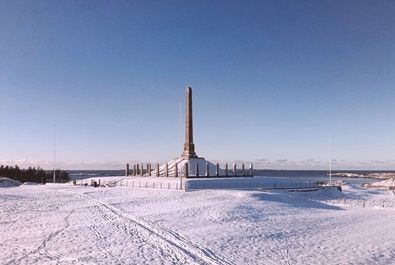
[7,182]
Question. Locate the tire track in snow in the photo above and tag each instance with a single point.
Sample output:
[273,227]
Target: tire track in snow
[131,233]
[208,252]
[169,241]
[136,233]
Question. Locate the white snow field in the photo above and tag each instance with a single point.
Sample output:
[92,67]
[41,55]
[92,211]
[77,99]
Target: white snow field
[65,224]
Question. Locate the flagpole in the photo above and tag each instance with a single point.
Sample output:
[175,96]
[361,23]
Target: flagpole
[180,118]
[54,156]
[330,159]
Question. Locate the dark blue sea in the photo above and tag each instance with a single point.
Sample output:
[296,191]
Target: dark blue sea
[300,175]
[83,174]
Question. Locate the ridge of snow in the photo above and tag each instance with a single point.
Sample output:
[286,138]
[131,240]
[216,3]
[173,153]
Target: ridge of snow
[7,182]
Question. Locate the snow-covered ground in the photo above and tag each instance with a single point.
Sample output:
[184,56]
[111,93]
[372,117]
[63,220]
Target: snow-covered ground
[65,224]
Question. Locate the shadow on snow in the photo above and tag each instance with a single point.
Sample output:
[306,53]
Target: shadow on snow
[285,198]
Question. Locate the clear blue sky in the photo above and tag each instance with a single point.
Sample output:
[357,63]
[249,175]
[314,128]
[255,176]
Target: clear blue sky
[271,81]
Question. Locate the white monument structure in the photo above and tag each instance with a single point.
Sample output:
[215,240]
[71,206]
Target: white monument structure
[188,164]
[196,166]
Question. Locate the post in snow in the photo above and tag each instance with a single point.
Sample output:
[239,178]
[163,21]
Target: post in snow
[186,170]
[197,169]
[127,170]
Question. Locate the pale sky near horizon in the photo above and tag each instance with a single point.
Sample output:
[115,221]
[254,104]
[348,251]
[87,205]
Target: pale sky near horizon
[271,81]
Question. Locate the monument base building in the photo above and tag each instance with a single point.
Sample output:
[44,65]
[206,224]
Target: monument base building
[196,167]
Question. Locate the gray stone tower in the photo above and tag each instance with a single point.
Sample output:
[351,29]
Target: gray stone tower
[189,146]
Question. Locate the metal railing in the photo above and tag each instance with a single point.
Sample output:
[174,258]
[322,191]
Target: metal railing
[256,186]
[132,184]
[174,169]
[185,185]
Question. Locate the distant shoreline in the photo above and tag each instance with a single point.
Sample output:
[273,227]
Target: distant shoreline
[376,175]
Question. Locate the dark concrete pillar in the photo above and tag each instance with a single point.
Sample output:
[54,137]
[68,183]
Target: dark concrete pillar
[186,170]
[127,170]
[197,169]
[189,146]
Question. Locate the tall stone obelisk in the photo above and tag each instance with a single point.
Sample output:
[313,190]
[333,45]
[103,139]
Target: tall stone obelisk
[189,146]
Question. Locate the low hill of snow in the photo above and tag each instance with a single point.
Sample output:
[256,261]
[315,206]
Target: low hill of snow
[31,183]
[7,182]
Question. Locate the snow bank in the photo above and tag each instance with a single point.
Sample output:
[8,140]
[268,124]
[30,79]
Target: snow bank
[356,196]
[31,183]
[384,184]
[7,182]
[327,193]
